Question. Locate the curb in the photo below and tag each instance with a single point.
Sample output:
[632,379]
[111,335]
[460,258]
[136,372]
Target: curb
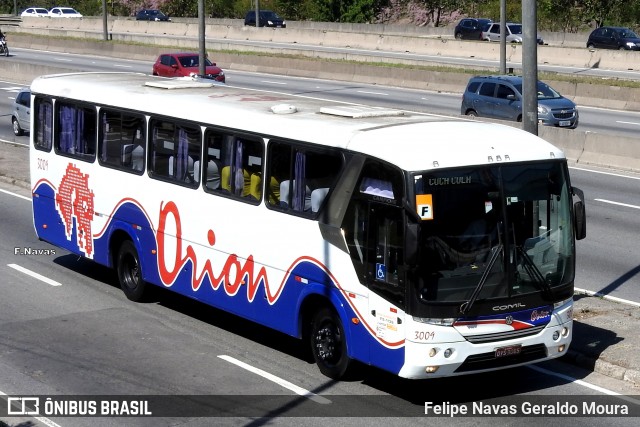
[602,367]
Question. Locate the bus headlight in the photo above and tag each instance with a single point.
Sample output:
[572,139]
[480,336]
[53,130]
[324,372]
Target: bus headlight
[435,321]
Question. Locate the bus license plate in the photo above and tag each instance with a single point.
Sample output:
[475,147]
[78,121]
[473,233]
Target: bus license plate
[564,123]
[513,350]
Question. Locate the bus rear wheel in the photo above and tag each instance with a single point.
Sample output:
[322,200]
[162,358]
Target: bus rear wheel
[130,271]
[329,344]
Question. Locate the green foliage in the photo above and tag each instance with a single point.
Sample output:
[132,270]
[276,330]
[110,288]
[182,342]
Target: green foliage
[553,15]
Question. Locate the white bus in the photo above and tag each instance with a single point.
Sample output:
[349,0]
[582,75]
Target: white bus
[422,245]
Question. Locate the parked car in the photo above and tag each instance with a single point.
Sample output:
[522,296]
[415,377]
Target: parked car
[500,97]
[151,15]
[613,38]
[64,12]
[21,115]
[268,18]
[470,28]
[513,31]
[35,11]
[185,64]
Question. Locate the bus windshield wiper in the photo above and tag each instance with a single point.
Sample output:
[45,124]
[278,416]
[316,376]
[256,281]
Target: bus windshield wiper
[466,306]
[533,271]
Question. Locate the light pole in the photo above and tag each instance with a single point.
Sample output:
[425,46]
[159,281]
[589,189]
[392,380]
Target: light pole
[201,39]
[503,38]
[529,67]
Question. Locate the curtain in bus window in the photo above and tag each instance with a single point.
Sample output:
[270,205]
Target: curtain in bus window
[299,186]
[154,141]
[238,172]
[105,131]
[80,142]
[67,129]
[43,137]
[183,155]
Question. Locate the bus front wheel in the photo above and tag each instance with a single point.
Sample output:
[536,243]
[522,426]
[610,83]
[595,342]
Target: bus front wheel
[129,271]
[329,344]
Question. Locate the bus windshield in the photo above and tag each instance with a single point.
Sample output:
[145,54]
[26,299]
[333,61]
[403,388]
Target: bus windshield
[495,231]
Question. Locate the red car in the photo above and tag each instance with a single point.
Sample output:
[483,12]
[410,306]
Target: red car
[185,64]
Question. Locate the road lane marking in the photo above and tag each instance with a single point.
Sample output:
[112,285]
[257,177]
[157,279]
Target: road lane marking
[274,83]
[628,123]
[604,173]
[16,195]
[617,203]
[607,297]
[584,384]
[574,380]
[372,93]
[284,383]
[122,66]
[35,275]
[43,420]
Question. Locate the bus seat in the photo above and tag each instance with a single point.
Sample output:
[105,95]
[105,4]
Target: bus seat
[225,182]
[126,154]
[132,156]
[213,174]
[274,191]
[187,173]
[255,187]
[137,158]
[284,194]
[317,197]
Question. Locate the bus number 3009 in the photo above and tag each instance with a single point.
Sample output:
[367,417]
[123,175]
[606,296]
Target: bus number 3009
[424,336]
[43,164]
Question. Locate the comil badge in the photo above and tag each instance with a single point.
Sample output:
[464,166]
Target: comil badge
[424,206]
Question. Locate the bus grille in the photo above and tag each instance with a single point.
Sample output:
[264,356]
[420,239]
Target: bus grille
[502,336]
[489,361]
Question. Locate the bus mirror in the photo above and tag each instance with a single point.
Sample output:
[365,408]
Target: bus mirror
[579,215]
[411,243]
[580,219]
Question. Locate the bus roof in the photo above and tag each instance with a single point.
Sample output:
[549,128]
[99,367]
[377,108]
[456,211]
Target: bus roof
[412,141]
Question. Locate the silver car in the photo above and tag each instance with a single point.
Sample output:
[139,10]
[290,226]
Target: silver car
[21,116]
[491,33]
[500,97]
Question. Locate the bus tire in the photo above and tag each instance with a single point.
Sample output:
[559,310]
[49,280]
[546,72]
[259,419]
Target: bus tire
[329,344]
[130,271]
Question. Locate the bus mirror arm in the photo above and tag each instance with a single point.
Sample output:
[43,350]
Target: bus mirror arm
[579,215]
[411,235]
[411,244]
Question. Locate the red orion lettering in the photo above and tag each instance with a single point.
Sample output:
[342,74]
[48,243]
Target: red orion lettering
[535,315]
[233,275]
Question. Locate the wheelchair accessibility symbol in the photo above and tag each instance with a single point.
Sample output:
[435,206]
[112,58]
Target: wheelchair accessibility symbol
[381,271]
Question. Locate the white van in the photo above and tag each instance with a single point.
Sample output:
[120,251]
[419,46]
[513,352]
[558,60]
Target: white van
[21,116]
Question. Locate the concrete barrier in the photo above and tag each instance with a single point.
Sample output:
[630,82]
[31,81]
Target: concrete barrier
[394,38]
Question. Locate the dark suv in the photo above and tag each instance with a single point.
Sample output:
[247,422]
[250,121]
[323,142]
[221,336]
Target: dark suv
[268,18]
[151,15]
[613,38]
[500,97]
[470,28]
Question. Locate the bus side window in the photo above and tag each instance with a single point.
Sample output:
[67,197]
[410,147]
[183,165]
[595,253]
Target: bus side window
[121,143]
[234,165]
[76,132]
[43,132]
[301,179]
[175,147]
